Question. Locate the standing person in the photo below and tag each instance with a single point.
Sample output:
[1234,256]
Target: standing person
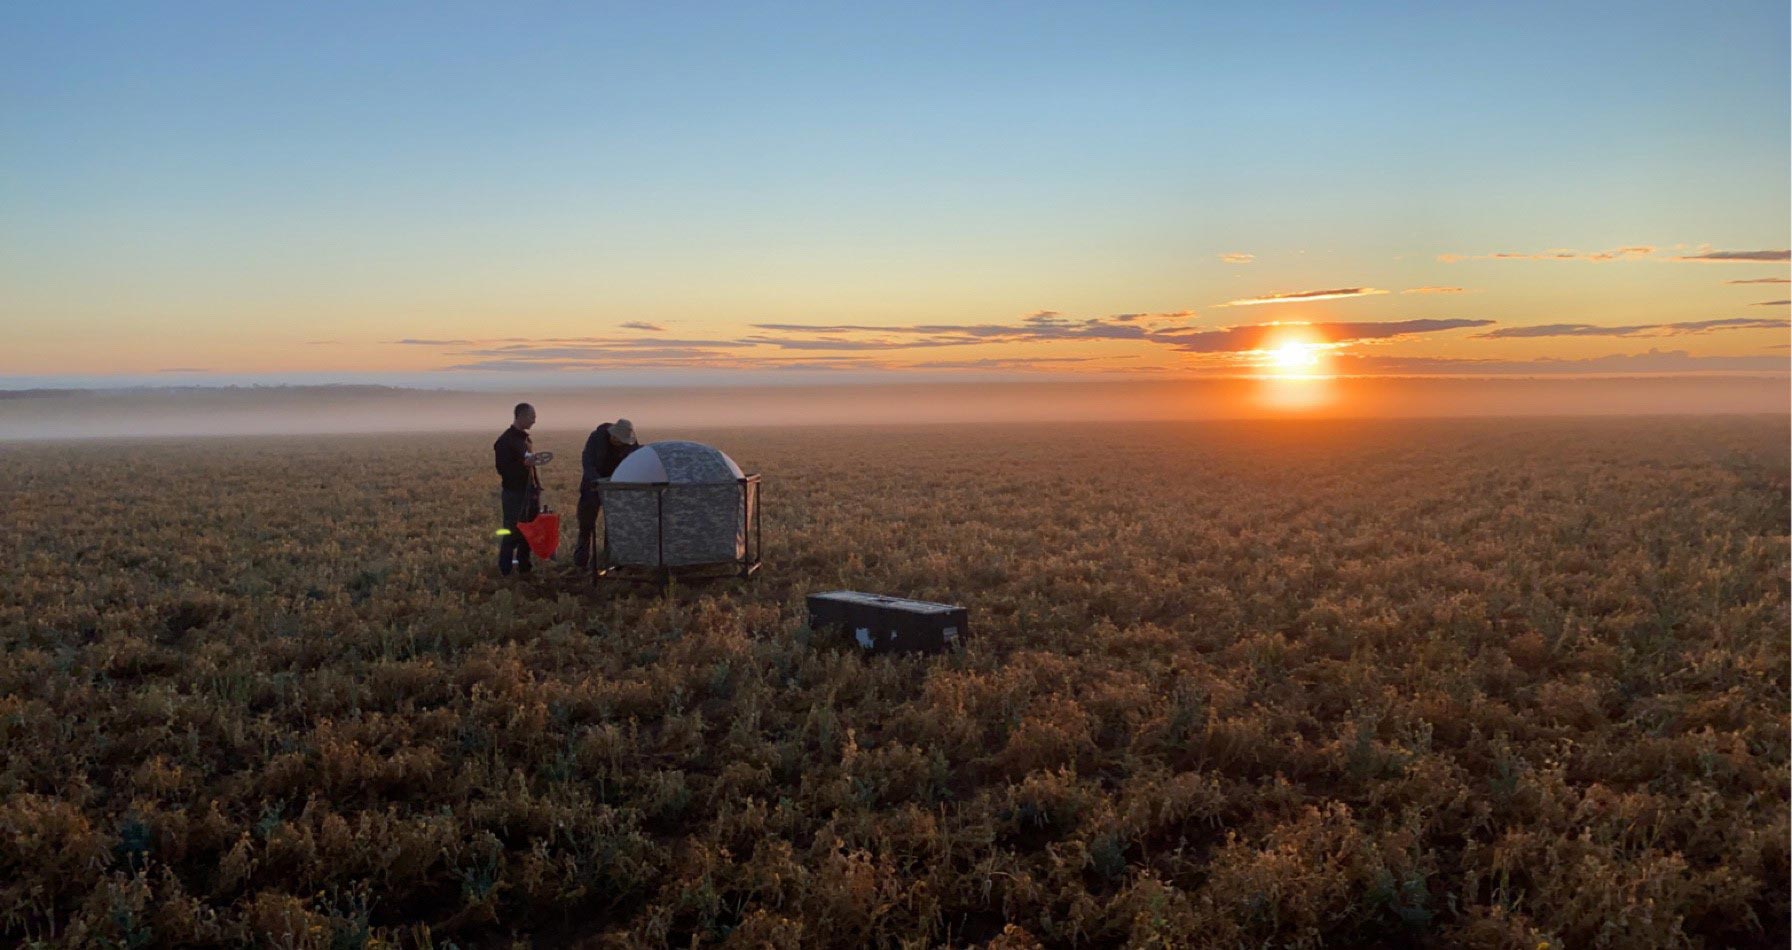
[607,446]
[517,458]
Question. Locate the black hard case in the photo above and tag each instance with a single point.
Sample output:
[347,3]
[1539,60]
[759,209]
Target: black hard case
[889,624]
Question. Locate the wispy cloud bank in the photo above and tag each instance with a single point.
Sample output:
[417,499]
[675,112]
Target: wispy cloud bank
[1557,254]
[879,347]
[1305,295]
[502,345]
[845,344]
[1742,256]
[901,347]
[1641,329]
[1256,336]
[1045,325]
[1238,257]
[1654,361]
[1622,252]
[1017,362]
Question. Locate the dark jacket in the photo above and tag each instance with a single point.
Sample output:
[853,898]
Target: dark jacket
[510,449]
[601,457]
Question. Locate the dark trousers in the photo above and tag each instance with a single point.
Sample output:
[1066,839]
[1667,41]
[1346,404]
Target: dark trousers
[590,503]
[516,503]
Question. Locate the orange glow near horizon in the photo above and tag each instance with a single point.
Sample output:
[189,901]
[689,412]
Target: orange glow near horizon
[1295,393]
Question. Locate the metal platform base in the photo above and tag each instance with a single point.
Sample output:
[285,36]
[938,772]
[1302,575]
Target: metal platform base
[663,577]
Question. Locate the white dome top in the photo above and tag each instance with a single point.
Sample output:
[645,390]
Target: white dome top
[676,462]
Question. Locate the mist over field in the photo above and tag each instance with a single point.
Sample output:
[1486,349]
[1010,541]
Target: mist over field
[274,410]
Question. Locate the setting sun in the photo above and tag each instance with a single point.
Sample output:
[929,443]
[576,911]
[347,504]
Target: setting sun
[1294,356]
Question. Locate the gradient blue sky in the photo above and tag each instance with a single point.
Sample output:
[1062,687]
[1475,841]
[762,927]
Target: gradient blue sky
[261,191]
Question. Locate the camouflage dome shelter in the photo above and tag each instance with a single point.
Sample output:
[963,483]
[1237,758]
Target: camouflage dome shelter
[679,509]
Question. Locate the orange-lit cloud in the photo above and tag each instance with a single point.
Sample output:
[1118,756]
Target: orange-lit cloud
[1654,361]
[1621,252]
[1256,336]
[1049,340]
[1041,326]
[1175,316]
[1238,257]
[1306,295]
[879,347]
[1754,257]
[1641,329]
[1558,254]
[1016,362]
[1434,290]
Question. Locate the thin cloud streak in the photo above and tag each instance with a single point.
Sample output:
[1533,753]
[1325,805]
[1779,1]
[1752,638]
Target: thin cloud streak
[1256,336]
[1641,329]
[1755,257]
[1016,362]
[1434,290]
[1042,327]
[1762,280]
[592,353]
[847,345]
[1305,295]
[865,347]
[1557,254]
[1238,257]
[1038,327]
[639,325]
[1654,361]
[527,341]
[636,361]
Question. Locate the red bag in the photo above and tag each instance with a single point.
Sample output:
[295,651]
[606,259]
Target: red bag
[542,532]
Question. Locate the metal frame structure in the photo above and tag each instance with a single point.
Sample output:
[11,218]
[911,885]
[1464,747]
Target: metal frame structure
[663,574]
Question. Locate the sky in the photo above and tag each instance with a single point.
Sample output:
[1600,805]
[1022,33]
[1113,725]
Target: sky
[514,195]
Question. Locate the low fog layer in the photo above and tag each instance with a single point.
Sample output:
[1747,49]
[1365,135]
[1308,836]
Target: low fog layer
[275,410]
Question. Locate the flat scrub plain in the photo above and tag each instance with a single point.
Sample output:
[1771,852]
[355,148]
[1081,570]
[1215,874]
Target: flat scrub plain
[1448,683]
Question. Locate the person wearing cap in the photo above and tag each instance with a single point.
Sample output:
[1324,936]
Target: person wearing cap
[607,446]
